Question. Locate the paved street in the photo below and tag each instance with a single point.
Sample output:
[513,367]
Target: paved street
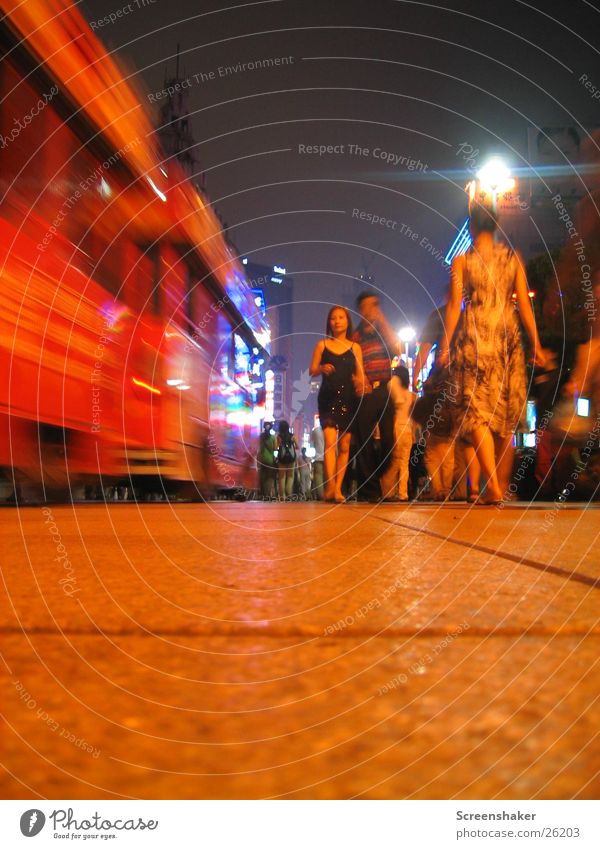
[233,650]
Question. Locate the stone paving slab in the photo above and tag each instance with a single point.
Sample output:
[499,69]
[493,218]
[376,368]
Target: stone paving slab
[347,571]
[562,536]
[503,717]
[252,651]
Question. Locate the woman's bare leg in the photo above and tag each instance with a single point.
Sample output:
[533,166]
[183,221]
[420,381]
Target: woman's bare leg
[342,463]
[281,476]
[330,436]
[473,469]
[483,442]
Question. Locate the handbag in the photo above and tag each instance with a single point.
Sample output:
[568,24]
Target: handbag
[433,411]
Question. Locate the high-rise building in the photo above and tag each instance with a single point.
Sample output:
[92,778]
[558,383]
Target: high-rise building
[275,289]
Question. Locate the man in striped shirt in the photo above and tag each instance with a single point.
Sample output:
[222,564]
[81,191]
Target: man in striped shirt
[379,345]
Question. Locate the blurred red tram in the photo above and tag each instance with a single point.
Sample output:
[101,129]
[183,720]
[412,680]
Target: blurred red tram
[129,334]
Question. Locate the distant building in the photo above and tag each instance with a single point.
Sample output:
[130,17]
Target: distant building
[274,291]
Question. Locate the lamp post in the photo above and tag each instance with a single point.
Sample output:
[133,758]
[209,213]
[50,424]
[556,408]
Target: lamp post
[406,335]
[494,178]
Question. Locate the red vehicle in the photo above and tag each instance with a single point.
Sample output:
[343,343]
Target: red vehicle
[131,348]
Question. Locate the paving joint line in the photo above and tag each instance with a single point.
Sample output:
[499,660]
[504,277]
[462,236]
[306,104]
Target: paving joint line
[282,633]
[578,577]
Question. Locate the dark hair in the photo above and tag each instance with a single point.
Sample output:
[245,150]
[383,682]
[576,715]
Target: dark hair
[482,220]
[348,319]
[364,295]
[283,429]
[402,373]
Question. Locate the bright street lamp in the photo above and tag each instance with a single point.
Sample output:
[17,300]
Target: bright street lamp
[494,178]
[406,335]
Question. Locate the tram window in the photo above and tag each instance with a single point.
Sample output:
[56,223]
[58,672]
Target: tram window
[106,261]
[139,276]
[152,255]
[198,306]
[190,285]
[173,283]
[62,203]
[139,280]
[91,193]
[23,125]
[156,298]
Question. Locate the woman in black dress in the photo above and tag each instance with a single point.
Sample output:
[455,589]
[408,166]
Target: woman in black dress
[340,362]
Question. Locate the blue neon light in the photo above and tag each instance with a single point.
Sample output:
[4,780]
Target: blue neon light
[461,244]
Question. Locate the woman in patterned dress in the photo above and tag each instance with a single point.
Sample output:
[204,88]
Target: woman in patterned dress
[487,358]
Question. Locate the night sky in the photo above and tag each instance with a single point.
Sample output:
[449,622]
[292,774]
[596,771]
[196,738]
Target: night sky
[410,79]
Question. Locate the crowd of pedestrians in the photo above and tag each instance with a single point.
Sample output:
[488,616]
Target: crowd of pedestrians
[379,442]
[286,474]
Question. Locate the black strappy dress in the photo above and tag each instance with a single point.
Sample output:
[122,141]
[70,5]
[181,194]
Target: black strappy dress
[337,399]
